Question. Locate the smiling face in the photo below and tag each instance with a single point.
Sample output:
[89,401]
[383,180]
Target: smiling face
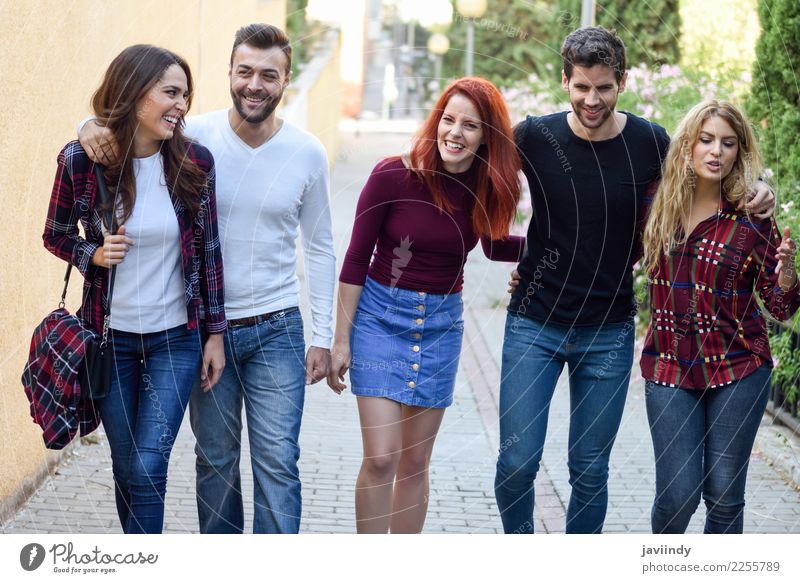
[459,134]
[258,79]
[593,93]
[715,151]
[160,109]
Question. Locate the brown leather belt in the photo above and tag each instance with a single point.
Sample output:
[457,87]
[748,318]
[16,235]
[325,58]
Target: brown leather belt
[255,320]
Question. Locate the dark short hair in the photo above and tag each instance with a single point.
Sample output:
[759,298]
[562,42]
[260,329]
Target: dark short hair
[594,45]
[264,36]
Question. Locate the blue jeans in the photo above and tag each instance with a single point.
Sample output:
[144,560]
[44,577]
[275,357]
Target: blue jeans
[265,368]
[599,360]
[702,441]
[142,413]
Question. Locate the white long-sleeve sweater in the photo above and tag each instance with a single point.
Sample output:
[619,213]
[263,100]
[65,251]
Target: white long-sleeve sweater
[263,195]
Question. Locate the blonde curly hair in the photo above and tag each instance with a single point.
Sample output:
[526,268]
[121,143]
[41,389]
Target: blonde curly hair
[668,223]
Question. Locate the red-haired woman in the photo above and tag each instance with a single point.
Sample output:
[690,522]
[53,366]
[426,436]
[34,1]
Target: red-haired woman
[399,325]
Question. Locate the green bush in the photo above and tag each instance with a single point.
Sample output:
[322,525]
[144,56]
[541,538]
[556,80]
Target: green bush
[787,364]
[774,104]
[650,29]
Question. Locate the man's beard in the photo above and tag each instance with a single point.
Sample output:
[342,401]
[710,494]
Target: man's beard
[605,113]
[260,114]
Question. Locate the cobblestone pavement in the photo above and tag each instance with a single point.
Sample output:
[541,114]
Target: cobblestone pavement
[78,496]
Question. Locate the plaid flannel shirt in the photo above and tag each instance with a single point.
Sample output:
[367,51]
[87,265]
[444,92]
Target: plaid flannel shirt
[73,200]
[50,379]
[706,328]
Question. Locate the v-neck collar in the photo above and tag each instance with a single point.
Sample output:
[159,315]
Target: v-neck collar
[237,140]
[725,206]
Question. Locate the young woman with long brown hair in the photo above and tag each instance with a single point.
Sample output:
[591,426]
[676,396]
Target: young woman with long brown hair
[399,320]
[706,359]
[167,257]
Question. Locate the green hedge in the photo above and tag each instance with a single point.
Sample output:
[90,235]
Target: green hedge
[774,104]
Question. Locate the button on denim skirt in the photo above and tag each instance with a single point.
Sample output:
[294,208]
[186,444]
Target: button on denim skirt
[406,345]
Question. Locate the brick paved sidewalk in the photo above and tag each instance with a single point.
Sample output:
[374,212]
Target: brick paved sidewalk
[78,497]
[772,505]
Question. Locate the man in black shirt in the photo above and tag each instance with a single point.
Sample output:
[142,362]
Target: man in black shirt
[589,171]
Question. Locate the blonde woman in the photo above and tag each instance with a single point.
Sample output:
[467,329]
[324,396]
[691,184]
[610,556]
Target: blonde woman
[706,357]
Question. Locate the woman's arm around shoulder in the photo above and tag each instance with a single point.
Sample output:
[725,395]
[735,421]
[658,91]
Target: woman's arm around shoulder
[511,249]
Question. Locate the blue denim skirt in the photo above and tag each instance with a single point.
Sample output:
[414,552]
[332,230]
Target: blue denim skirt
[406,345]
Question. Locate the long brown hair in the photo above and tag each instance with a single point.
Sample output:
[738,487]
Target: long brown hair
[498,186]
[128,78]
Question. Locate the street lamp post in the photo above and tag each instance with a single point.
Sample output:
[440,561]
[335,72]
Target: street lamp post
[470,9]
[438,44]
[587,13]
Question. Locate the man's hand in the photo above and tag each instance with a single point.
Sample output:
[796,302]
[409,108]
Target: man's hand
[340,363]
[99,143]
[759,202]
[213,362]
[318,364]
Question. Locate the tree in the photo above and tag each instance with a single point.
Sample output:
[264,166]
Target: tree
[518,37]
[298,30]
[774,102]
[651,29]
[513,39]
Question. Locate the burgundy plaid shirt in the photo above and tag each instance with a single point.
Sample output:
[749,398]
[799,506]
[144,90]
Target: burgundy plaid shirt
[73,200]
[706,328]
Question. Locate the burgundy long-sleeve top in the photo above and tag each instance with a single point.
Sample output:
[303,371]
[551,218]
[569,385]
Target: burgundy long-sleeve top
[706,327]
[416,245]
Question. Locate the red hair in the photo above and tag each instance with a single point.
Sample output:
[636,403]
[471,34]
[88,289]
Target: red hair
[497,190]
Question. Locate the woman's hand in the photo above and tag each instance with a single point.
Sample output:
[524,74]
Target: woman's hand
[114,249]
[340,363]
[786,268]
[513,283]
[213,362]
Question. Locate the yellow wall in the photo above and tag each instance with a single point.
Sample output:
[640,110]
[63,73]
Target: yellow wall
[350,17]
[323,118]
[53,56]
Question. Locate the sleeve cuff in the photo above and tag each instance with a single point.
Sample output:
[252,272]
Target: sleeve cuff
[84,252]
[215,325]
[321,341]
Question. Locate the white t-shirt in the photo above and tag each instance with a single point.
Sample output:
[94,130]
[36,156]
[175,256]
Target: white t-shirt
[148,288]
[264,195]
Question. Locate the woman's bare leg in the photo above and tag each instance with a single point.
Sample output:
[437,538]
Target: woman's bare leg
[382,436]
[410,501]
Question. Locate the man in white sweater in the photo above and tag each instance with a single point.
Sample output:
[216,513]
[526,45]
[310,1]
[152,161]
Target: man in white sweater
[272,178]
